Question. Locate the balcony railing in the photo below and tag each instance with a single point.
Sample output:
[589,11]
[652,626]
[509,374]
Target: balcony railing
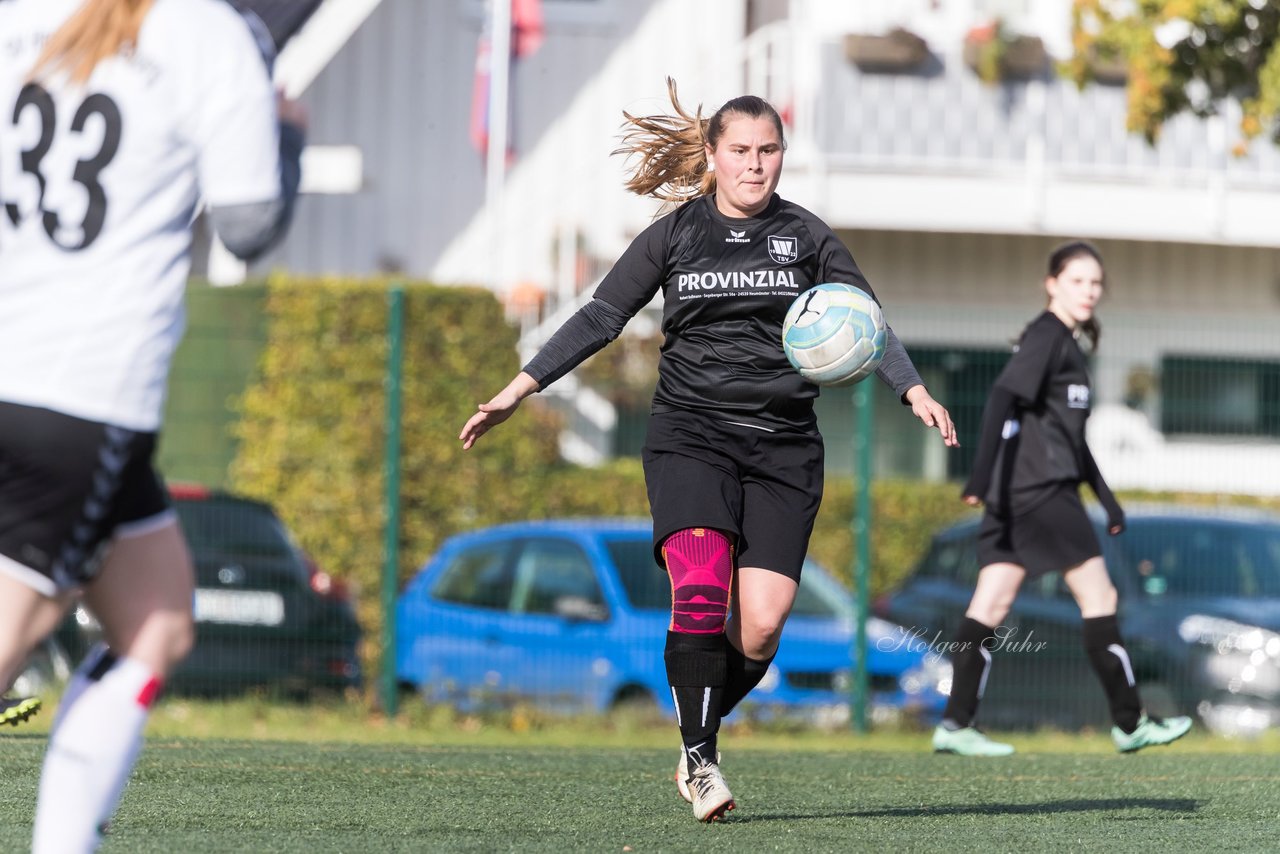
[952,121]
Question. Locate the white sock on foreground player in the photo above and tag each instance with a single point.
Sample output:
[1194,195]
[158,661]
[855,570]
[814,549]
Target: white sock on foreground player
[94,743]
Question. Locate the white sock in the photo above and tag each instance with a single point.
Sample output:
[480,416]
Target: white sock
[80,680]
[95,741]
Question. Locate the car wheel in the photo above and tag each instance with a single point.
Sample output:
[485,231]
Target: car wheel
[634,700]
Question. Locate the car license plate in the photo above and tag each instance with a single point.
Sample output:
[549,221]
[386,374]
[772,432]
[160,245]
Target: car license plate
[242,607]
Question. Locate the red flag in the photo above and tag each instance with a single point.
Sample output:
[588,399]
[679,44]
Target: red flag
[787,113]
[526,27]
[527,33]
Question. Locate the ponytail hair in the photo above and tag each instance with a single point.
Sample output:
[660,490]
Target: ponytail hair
[672,149]
[1059,258]
[100,29]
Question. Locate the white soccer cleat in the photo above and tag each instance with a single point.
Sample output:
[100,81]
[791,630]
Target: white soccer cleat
[682,775]
[711,795]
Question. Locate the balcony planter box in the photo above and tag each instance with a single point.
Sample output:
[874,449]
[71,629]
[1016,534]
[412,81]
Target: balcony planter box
[898,50]
[996,54]
[1111,70]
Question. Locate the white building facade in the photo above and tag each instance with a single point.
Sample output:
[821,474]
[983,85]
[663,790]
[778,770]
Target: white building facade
[949,190]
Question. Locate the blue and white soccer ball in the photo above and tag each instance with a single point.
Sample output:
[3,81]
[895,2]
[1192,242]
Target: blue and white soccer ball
[834,334]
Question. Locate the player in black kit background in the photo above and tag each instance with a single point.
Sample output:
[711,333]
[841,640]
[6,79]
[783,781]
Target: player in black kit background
[1030,461]
[733,458]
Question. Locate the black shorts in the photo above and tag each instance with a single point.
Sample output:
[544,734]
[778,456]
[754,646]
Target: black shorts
[67,486]
[1053,536]
[761,488]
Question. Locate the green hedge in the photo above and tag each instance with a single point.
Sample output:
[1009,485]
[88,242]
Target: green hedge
[904,515]
[312,425]
[217,357]
[311,434]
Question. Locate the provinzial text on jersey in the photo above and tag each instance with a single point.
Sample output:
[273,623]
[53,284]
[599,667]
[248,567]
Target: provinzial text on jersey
[735,279]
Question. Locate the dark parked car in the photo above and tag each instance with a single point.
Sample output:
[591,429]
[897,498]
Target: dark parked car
[572,615]
[1199,609]
[45,671]
[266,615]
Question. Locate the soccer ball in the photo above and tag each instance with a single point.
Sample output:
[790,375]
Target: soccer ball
[834,334]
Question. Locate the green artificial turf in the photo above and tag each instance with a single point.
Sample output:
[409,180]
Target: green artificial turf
[217,794]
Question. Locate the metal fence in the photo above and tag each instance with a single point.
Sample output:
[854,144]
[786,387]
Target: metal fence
[571,615]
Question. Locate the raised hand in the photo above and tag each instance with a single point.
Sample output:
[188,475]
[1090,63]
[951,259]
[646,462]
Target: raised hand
[933,414]
[499,409]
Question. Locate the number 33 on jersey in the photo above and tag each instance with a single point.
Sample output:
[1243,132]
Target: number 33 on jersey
[99,184]
[71,217]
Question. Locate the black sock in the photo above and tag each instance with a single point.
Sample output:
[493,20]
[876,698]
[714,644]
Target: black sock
[1110,661]
[970,662]
[696,672]
[743,674]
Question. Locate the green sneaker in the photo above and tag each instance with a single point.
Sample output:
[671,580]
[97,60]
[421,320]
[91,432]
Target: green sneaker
[15,710]
[967,742]
[1150,731]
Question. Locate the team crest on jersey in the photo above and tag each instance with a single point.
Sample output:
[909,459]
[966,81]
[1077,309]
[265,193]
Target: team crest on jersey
[783,249]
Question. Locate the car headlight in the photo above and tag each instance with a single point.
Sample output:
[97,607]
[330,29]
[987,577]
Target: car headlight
[85,620]
[878,630]
[841,680]
[1228,636]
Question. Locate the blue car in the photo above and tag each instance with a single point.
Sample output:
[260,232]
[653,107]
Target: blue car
[572,615]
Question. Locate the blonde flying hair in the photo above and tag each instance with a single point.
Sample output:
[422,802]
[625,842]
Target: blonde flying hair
[100,29]
[670,150]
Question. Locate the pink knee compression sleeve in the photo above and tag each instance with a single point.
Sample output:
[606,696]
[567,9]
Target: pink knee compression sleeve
[700,562]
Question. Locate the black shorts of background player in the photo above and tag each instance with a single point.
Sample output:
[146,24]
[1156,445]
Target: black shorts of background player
[1030,461]
[733,459]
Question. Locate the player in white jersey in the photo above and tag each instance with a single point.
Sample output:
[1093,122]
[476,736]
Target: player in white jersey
[119,120]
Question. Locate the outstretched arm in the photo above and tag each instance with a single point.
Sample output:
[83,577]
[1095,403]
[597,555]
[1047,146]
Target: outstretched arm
[627,288]
[1018,385]
[896,370]
[587,331]
[499,409]
[932,413]
[1000,407]
[1093,477]
[900,374]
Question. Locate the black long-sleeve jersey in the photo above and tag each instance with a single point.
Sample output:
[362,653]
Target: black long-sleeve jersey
[726,284]
[1033,430]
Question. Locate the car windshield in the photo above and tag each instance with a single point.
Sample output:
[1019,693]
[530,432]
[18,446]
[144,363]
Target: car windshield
[646,585]
[820,595]
[648,589]
[233,527]
[1204,558]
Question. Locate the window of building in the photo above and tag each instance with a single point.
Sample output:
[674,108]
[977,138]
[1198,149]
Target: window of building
[1236,397]
[958,378]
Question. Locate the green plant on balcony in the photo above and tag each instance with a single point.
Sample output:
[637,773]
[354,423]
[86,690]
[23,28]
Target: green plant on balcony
[995,53]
